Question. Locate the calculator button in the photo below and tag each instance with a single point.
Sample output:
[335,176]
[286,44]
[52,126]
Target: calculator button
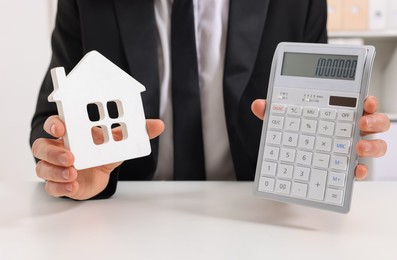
[283,187]
[341,146]
[310,111]
[321,160]
[285,171]
[269,168]
[337,179]
[306,142]
[323,144]
[273,137]
[317,184]
[294,110]
[326,128]
[292,124]
[278,108]
[309,126]
[266,184]
[339,162]
[346,115]
[271,153]
[334,196]
[301,173]
[304,158]
[329,114]
[276,122]
[290,139]
[299,189]
[287,155]
[343,130]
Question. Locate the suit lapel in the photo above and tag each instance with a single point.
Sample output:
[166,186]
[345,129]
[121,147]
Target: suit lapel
[246,24]
[137,25]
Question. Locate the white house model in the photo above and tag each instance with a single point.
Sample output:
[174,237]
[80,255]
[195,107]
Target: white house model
[114,100]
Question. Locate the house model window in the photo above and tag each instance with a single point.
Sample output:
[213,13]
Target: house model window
[101,133]
[102,109]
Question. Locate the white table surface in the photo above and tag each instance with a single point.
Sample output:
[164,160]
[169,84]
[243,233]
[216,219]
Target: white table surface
[194,220]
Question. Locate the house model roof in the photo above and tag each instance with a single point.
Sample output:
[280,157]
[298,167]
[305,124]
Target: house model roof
[97,82]
[94,68]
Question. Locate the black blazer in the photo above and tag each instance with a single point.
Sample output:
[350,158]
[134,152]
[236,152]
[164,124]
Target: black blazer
[125,32]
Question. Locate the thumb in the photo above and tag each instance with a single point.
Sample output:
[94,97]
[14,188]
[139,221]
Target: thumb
[54,126]
[258,107]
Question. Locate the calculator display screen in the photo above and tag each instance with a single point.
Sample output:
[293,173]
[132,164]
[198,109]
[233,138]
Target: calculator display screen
[325,66]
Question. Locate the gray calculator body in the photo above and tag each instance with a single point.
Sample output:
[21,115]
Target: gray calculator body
[315,99]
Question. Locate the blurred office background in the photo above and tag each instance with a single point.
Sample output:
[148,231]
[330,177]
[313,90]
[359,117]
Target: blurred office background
[25,29]
[373,22]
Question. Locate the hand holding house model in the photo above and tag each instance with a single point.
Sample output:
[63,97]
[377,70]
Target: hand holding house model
[97,96]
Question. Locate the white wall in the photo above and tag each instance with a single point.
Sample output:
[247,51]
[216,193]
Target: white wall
[25,27]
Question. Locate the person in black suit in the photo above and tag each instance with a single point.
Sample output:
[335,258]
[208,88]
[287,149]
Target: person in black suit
[125,32]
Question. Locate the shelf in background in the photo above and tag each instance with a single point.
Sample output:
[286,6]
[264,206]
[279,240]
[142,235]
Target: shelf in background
[363,34]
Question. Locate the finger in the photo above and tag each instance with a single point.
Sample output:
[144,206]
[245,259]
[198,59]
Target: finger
[56,189]
[371,105]
[371,148]
[54,126]
[53,152]
[361,172]
[374,123]
[258,108]
[50,172]
[98,135]
[154,127]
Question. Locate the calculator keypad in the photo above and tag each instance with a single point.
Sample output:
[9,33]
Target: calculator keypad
[307,152]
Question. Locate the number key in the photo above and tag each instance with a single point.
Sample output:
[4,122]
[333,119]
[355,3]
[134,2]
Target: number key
[304,158]
[287,155]
[271,153]
[285,171]
[306,142]
[301,173]
[266,184]
[283,187]
[269,168]
[273,137]
[290,139]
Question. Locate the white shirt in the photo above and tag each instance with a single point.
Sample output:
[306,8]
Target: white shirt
[211,19]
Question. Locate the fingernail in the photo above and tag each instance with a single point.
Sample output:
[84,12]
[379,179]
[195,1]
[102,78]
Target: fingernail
[69,187]
[370,121]
[52,129]
[65,174]
[38,166]
[63,159]
[367,147]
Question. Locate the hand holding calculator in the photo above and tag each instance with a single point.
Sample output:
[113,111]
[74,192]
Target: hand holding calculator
[315,99]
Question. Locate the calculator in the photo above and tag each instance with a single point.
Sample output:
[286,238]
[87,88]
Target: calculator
[315,99]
